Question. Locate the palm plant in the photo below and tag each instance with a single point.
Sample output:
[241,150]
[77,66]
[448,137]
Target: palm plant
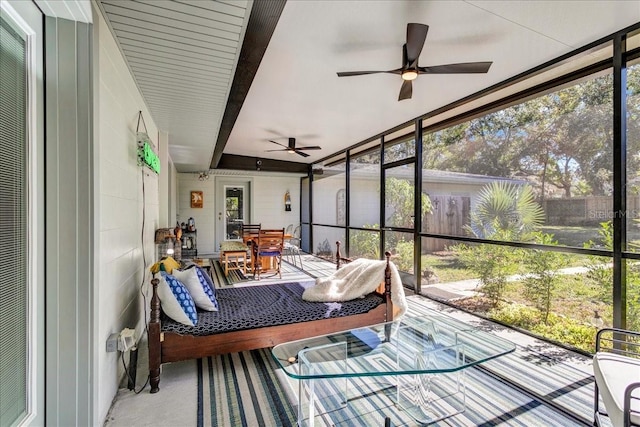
[505,208]
[506,212]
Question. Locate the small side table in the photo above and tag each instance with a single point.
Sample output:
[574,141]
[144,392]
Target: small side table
[233,251]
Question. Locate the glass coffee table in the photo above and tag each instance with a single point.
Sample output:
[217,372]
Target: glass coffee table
[422,360]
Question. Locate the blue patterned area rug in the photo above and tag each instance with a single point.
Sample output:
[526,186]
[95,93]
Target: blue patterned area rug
[236,278]
[247,389]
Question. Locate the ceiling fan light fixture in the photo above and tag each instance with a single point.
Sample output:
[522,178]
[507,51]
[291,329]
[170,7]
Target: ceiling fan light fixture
[291,151]
[411,50]
[409,75]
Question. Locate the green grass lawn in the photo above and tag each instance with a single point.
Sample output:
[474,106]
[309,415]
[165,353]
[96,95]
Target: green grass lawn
[577,236]
[447,267]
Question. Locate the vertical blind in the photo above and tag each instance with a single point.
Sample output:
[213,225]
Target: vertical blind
[13,226]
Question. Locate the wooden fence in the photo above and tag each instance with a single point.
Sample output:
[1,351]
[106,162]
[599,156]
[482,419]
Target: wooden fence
[591,210]
[449,215]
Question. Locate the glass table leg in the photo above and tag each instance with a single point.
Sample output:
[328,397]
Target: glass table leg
[320,396]
[429,398]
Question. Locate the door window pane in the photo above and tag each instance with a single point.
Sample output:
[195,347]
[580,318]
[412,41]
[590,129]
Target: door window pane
[399,195]
[234,212]
[13,225]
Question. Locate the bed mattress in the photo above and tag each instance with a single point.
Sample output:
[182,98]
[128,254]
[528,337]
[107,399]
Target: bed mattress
[267,305]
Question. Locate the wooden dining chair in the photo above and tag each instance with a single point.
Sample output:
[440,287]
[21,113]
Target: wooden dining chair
[269,251]
[250,233]
[250,230]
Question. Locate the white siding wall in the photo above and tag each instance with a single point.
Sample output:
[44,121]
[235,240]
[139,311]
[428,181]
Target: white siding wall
[164,184]
[120,207]
[365,202]
[205,216]
[268,201]
[267,207]
[325,193]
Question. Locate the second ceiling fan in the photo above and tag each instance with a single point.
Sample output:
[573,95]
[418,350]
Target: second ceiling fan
[291,148]
[416,36]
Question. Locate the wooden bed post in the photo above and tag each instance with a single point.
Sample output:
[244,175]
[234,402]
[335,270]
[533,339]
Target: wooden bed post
[387,287]
[339,258]
[387,297]
[155,357]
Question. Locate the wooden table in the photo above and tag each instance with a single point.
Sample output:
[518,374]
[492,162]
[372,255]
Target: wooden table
[266,262]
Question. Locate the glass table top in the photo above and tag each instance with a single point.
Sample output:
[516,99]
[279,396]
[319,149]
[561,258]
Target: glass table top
[413,345]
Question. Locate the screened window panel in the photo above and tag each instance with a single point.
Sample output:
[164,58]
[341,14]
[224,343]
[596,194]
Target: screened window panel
[13,226]
[324,241]
[399,197]
[364,190]
[329,196]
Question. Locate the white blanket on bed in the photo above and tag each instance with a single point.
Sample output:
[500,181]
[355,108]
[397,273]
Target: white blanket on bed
[355,280]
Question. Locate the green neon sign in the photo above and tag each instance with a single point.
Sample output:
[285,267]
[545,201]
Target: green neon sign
[148,157]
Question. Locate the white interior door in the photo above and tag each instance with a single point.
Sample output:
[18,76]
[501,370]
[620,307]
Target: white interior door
[233,208]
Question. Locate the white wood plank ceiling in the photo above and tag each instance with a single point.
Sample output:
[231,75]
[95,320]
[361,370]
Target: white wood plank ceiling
[296,92]
[183,55]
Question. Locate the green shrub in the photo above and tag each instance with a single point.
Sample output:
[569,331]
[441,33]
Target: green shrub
[568,331]
[542,280]
[404,259]
[517,315]
[365,244]
[558,328]
[492,264]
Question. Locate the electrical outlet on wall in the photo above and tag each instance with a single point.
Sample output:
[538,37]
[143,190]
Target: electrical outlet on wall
[127,339]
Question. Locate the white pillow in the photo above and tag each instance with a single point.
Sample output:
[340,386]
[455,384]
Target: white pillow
[196,288]
[176,300]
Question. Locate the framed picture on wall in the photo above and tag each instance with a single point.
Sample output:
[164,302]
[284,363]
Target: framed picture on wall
[196,199]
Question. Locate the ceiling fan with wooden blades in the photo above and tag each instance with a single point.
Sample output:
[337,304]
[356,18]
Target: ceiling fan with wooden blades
[291,148]
[416,36]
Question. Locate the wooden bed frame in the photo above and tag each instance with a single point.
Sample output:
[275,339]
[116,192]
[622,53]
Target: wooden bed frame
[165,347]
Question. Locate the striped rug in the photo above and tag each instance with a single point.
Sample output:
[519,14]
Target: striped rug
[219,278]
[290,273]
[556,376]
[242,389]
[247,389]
